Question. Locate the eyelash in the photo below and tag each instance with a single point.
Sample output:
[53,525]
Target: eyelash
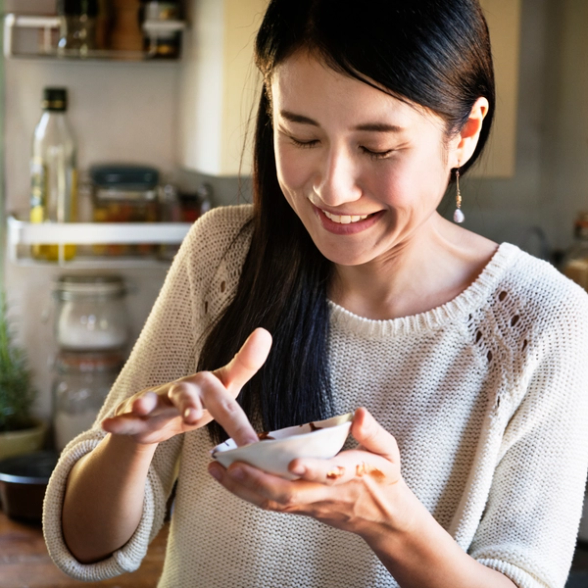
[377,154]
[372,154]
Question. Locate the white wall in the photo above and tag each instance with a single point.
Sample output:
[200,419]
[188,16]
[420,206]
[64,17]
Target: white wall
[551,180]
[129,112]
[120,112]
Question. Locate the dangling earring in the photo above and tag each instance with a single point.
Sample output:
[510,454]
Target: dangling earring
[458,215]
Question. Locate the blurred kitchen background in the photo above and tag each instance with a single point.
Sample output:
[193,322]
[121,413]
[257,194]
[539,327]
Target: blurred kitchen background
[170,87]
[167,89]
[159,102]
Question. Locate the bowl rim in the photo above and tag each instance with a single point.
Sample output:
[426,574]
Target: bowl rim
[268,442]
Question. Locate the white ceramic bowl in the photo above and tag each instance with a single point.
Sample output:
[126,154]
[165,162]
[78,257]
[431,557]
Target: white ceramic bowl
[273,453]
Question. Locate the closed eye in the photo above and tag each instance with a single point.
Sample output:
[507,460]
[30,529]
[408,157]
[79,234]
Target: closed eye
[376,154]
[303,144]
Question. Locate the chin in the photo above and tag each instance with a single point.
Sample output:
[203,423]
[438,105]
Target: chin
[341,257]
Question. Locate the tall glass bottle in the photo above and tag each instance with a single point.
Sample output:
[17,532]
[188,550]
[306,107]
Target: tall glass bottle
[53,172]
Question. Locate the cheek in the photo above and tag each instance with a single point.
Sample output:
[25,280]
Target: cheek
[408,182]
[292,169]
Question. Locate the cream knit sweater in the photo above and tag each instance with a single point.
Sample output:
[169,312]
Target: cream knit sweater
[486,395]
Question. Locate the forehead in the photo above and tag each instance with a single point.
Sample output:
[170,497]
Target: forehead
[303,83]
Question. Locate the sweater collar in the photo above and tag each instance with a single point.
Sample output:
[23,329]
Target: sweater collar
[461,306]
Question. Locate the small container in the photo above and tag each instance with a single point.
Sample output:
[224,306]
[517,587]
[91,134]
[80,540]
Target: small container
[78,26]
[193,205]
[575,262]
[82,382]
[276,449]
[125,194]
[91,313]
[181,206]
[126,34]
[161,44]
[23,481]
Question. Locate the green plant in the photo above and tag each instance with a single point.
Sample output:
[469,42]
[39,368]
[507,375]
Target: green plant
[16,391]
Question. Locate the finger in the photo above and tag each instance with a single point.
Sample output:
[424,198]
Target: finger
[220,474]
[373,437]
[147,403]
[247,361]
[228,413]
[206,390]
[131,424]
[266,490]
[343,468]
[185,395]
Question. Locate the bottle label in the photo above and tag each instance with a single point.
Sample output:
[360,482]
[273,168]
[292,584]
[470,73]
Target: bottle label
[38,191]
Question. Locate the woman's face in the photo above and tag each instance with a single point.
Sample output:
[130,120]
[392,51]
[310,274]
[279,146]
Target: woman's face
[364,171]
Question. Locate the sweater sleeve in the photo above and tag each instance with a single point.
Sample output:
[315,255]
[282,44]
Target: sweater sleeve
[166,350]
[529,526]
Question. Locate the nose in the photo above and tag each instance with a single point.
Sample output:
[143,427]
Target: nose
[336,182]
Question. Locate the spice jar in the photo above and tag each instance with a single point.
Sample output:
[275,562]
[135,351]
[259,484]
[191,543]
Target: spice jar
[91,312]
[77,26]
[125,194]
[575,262]
[163,43]
[184,207]
[81,383]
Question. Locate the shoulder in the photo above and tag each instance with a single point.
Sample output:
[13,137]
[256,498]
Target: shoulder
[222,231]
[537,289]
[221,224]
[537,315]
[213,254]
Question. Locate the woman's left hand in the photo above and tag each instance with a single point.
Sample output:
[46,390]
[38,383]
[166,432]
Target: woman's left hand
[359,490]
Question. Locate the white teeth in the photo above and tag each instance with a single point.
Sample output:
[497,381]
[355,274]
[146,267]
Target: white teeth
[345,219]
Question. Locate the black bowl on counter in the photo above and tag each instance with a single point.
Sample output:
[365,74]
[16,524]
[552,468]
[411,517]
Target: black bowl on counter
[23,481]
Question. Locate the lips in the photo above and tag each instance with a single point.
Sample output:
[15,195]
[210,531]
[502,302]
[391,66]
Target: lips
[347,224]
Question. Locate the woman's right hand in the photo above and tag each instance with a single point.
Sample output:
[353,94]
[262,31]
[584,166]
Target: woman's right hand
[157,414]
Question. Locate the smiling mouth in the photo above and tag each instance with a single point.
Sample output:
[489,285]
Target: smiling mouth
[344,219]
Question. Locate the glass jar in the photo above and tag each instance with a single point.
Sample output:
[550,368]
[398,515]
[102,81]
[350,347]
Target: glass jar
[78,26]
[575,261]
[82,382]
[125,194]
[91,313]
[161,44]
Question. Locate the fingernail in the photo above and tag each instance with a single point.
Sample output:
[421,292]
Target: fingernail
[298,470]
[190,415]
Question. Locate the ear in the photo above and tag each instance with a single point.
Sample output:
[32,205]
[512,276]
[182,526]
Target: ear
[468,137]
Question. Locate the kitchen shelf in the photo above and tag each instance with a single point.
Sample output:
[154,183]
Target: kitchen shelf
[22,234]
[48,24]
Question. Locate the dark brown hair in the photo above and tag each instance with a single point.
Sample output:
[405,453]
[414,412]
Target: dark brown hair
[434,53]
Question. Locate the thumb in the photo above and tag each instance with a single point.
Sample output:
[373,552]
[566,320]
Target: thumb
[247,361]
[373,437]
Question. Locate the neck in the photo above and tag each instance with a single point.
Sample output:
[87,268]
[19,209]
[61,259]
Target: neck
[424,271]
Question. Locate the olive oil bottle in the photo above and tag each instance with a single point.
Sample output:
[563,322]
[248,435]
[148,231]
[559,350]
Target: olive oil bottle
[53,172]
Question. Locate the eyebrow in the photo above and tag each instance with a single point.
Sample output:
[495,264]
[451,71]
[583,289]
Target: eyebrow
[376,127]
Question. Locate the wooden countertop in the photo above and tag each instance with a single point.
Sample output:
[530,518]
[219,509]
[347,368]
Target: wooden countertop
[25,563]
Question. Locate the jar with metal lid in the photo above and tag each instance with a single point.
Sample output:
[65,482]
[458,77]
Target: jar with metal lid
[82,382]
[125,194]
[91,313]
[162,42]
[575,261]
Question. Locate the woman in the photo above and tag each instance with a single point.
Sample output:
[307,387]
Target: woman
[471,454]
